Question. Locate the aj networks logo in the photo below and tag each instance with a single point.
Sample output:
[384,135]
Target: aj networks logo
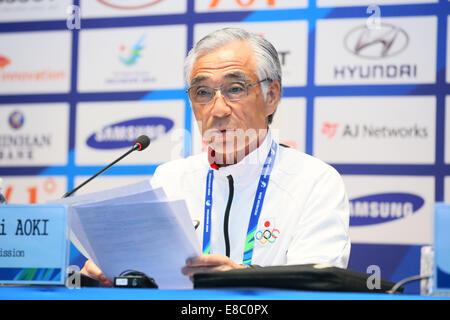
[130,56]
[130,4]
[329,129]
[383,207]
[414,131]
[122,134]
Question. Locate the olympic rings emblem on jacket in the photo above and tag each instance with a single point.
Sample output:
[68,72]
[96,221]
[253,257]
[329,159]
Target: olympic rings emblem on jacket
[267,236]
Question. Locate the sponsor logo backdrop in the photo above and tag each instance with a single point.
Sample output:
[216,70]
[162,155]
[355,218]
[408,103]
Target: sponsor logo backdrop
[383,129]
[365,86]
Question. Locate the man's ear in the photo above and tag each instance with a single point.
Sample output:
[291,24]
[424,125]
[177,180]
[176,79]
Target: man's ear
[273,97]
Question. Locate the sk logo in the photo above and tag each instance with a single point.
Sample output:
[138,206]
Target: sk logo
[134,53]
[329,129]
[263,184]
[4,61]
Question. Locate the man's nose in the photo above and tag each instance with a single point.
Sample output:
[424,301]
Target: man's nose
[221,107]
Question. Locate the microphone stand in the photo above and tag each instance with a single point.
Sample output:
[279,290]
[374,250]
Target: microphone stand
[69,193]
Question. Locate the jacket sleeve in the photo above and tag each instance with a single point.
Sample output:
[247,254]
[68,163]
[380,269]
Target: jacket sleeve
[322,233]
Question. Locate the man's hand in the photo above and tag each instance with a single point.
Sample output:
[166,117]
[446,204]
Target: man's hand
[209,263]
[91,270]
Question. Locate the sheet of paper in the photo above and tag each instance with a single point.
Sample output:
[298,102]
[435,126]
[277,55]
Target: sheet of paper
[81,242]
[78,237]
[122,192]
[185,221]
[152,237]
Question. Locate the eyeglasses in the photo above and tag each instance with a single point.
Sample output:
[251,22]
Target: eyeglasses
[231,90]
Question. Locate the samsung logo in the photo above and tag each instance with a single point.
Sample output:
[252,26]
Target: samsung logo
[123,134]
[383,207]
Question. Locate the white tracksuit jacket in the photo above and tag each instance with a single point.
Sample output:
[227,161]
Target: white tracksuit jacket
[305,214]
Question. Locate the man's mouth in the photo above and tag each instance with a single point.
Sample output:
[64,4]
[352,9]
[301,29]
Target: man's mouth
[221,134]
[221,131]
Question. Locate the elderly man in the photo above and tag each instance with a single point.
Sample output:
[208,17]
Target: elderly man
[255,202]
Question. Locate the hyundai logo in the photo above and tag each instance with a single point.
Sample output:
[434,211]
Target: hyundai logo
[386,40]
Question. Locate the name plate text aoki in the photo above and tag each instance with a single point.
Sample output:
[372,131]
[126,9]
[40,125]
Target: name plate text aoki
[34,248]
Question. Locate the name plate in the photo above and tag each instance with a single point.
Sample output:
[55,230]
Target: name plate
[34,247]
[441,274]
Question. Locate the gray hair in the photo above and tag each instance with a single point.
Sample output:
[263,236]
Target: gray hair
[267,61]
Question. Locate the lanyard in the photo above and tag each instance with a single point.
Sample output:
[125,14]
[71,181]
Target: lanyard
[256,209]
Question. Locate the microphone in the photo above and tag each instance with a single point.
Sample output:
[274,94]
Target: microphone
[141,143]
